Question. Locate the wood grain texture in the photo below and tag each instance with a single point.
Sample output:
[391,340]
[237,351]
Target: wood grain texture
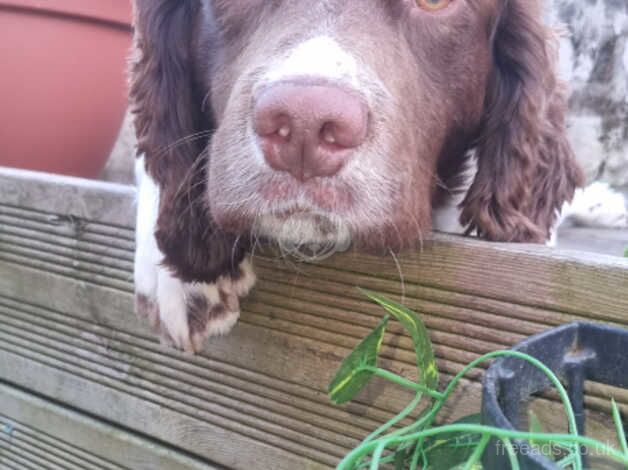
[257,399]
[57,438]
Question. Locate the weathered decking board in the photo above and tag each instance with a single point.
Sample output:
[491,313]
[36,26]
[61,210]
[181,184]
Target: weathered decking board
[256,399]
[61,439]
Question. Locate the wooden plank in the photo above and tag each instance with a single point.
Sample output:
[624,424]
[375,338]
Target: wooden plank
[41,434]
[258,396]
[280,405]
[586,284]
[68,197]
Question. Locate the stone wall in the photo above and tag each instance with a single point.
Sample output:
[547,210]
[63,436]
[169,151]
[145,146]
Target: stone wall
[594,62]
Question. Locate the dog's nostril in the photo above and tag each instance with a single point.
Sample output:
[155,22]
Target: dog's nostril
[284,131]
[309,130]
[328,135]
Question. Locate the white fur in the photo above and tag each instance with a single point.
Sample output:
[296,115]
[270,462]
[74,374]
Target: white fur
[217,327]
[147,255]
[447,218]
[171,299]
[165,291]
[151,280]
[242,286]
[597,205]
[320,56]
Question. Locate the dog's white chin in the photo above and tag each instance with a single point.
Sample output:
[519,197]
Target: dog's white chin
[305,235]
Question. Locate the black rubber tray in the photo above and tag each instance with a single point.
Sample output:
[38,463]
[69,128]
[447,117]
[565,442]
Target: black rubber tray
[575,353]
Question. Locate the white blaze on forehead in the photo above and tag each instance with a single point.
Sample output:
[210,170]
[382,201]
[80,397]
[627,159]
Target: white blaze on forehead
[320,56]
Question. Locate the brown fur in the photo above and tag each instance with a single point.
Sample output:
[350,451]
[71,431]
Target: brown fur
[476,77]
[168,110]
[526,169]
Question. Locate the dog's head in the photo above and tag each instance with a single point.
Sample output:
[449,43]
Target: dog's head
[346,118]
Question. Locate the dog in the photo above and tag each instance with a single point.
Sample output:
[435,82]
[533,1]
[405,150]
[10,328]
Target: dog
[334,122]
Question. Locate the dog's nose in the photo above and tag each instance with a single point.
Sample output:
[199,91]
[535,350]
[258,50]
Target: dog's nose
[309,130]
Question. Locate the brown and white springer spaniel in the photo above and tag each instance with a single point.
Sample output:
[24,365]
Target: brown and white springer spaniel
[342,120]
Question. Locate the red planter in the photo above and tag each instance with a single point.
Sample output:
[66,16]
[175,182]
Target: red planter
[62,82]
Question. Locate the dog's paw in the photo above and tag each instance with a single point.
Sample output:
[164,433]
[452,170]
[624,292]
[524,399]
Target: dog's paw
[213,309]
[186,314]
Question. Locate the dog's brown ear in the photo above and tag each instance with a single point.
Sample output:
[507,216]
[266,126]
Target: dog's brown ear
[526,167]
[173,132]
[164,96]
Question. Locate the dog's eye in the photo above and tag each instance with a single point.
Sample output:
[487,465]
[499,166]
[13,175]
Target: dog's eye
[433,5]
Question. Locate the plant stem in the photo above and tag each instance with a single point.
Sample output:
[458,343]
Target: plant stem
[403,414]
[387,459]
[478,452]
[512,455]
[416,455]
[566,461]
[551,376]
[441,398]
[377,456]
[621,435]
[501,434]
[385,374]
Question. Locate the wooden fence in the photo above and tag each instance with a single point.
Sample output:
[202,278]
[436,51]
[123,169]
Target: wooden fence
[84,384]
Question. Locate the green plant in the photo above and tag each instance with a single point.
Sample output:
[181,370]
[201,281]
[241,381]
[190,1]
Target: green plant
[460,445]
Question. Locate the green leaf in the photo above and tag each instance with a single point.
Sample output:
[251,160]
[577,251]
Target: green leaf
[621,434]
[626,252]
[351,376]
[450,450]
[536,427]
[426,362]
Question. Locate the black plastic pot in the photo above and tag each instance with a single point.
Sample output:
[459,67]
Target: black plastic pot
[575,353]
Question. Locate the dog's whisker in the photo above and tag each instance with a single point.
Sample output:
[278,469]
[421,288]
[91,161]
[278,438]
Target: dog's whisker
[402,279]
[234,248]
[417,226]
[237,203]
[182,141]
[204,102]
